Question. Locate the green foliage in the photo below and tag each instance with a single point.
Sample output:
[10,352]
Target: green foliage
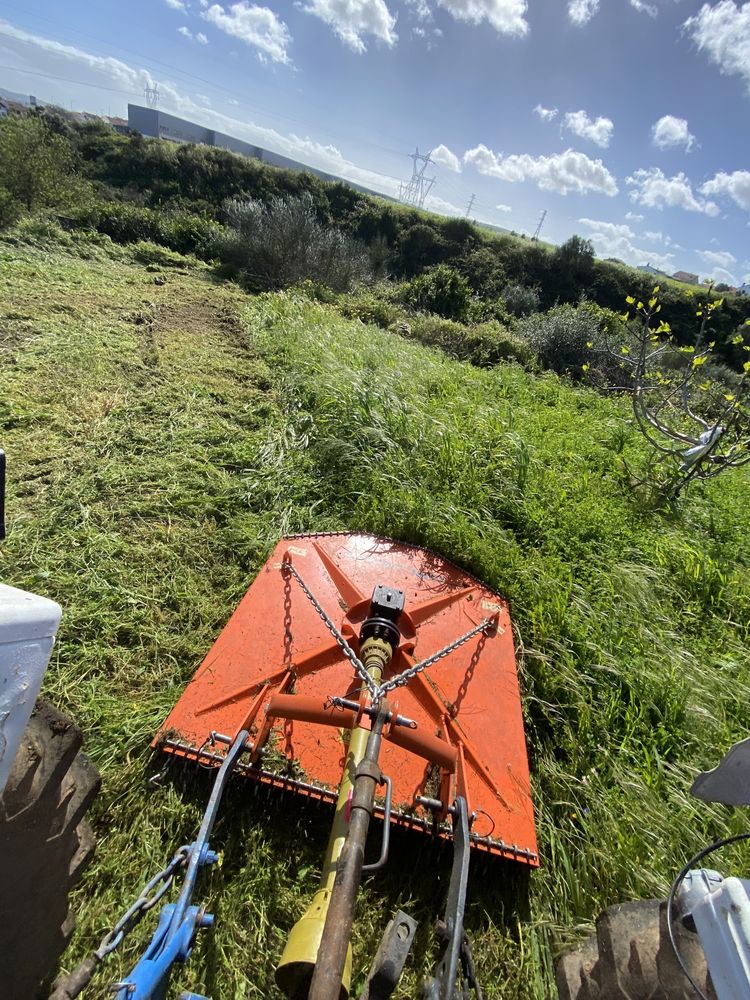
[282,243]
[373,308]
[10,209]
[151,253]
[484,345]
[562,337]
[521,300]
[36,164]
[440,290]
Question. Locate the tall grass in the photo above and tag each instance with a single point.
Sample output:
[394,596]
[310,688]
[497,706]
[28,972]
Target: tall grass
[161,438]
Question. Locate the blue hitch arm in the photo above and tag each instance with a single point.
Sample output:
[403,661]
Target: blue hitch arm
[180,922]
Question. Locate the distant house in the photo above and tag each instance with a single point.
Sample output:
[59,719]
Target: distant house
[650,269]
[744,289]
[686,277]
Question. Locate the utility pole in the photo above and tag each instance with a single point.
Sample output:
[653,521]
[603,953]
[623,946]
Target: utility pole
[152,95]
[470,205]
[539,225]
[416,190]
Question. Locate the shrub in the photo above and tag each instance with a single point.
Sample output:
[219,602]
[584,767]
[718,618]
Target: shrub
[483,345]
[9,208]
[560,337]
[521,300]
[282,243]
[371,309]
[440,290]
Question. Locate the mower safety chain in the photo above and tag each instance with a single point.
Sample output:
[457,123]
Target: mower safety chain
[378,690]
[346,649]
[145,902]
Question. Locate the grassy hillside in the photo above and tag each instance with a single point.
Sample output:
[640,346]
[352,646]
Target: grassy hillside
[161,437]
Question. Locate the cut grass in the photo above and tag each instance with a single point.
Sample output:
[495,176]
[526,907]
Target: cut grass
[162,437]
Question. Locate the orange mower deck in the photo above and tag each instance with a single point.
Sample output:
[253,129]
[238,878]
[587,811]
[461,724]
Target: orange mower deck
[275,667]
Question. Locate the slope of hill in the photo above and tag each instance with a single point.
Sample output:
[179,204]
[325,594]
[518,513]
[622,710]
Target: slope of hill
[162,436]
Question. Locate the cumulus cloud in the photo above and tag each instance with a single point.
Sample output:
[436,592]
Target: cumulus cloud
[581,11]
[258,27]
[446,158]
[185,32]
[352,20]
[721,275]
[657,237]
[505,16]
[633,217]
[599,131]
[113,75]
[200,37]
[503,208]
[176,5]
[720,258]
[670,131]
[722,31]
[612,239]
[546,114]
[653,189]
[735,186]
[562,172]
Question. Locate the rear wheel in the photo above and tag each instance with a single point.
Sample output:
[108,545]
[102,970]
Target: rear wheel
[631,958]
[45,844]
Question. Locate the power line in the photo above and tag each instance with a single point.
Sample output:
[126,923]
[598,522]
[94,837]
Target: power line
[415,191]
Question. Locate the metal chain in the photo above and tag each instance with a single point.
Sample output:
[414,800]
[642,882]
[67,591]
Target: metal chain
[377,691]
[346,649]
[146,901]
[406,675]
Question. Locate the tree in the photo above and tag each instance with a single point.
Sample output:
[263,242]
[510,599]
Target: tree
[36,165]
[697,426]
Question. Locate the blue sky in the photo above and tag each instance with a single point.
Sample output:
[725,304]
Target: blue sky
[627,120]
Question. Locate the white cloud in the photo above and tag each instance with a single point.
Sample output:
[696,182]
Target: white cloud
[505,16]
[581,11]
[735,185]
[562,172]
[185,32]
[109,74]
[436,204]
[258,27]
[612,239]
[421,9]
[653,189]
[644,8]
[721,258]
[176,5]
[721,275]
[599,131]
[657,237]
[200,37]
[723,32]
[546,114]
[633,217]
[670,131]
[351,19]
[503,208]
[446,158]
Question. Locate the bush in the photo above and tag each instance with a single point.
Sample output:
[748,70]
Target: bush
[371,309]
[483,345]
[521,300]
[440,290]
[9,209]
[560,337]
[283,243]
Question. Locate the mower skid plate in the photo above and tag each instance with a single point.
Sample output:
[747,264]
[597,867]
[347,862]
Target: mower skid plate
[276,645]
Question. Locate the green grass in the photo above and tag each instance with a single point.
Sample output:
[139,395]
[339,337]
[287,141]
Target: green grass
[161,438]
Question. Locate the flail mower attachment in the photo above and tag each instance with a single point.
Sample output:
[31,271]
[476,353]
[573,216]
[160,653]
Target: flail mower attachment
[370,663]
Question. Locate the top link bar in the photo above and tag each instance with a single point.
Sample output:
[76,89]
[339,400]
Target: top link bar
[378,690]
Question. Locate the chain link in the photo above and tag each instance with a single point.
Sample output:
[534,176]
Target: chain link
[145,902]
[377,691]
[406,675]
[346,649]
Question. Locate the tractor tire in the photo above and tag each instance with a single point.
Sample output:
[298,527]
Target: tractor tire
[631,958]
[45,844]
